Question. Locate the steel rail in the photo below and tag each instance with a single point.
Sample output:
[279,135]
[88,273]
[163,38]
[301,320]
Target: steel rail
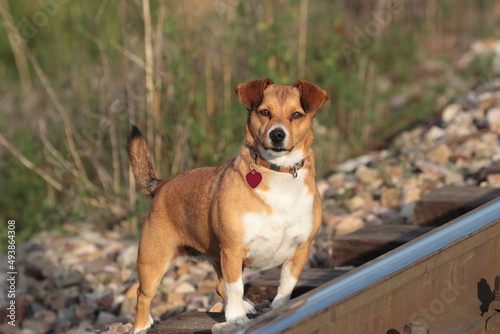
[379,270]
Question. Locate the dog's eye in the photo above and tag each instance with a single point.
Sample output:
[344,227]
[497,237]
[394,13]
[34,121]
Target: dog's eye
[264,112]
[297,115]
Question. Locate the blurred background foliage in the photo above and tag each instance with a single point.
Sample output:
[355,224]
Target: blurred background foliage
[75,74]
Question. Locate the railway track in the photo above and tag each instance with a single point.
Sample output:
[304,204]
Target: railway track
[441,282]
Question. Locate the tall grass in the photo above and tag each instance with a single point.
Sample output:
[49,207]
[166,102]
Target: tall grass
[83,71]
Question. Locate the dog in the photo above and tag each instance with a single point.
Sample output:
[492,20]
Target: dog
[260,210]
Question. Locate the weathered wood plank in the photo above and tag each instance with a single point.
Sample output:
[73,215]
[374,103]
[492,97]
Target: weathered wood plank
[261,289]
[442,205]
[372,241]
[191,323]
[188,323]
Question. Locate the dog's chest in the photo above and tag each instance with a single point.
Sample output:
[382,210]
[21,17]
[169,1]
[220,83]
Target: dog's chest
[272,238]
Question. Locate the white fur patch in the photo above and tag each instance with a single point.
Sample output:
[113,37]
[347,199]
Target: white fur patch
[236,309]
[273,238]
[284,159]
[287,283]
[145,329]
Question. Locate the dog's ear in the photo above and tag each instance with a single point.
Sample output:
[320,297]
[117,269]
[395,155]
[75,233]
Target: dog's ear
[251,93]
[311,96]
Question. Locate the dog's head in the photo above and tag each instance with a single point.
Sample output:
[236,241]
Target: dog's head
[280,117]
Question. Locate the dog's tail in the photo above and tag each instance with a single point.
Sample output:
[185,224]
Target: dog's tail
[141,162]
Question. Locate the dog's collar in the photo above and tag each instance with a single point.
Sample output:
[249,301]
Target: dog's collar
[258,160]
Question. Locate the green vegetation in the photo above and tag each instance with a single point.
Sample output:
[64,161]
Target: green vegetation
[84,71]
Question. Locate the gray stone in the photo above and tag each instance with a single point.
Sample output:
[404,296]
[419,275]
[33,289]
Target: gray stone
[351,165]
[104,318]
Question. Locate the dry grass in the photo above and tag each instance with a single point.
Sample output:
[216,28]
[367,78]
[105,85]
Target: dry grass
[90,69]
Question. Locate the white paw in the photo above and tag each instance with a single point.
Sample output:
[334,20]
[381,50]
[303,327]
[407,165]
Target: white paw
[249,308]
[237,318]
[224,327]
[141,330]
[145,329]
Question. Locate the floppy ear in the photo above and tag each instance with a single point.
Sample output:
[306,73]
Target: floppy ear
[251,93]
[311,96]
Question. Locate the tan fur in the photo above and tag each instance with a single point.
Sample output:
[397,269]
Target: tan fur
[200,210]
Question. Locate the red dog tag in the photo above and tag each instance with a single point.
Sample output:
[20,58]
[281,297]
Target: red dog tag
[254,178]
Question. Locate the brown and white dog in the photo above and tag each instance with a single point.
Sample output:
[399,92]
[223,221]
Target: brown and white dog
[260,210]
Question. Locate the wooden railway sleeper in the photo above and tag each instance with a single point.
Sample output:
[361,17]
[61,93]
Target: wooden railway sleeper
[493,315]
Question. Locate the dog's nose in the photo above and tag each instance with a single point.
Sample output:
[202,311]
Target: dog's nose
[277,135]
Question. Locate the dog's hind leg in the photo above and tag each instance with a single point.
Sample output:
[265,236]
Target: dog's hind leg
[153,260]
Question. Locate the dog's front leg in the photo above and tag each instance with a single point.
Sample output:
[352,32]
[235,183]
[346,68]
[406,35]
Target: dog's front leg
[290,273]
[293,268]
[232,268]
